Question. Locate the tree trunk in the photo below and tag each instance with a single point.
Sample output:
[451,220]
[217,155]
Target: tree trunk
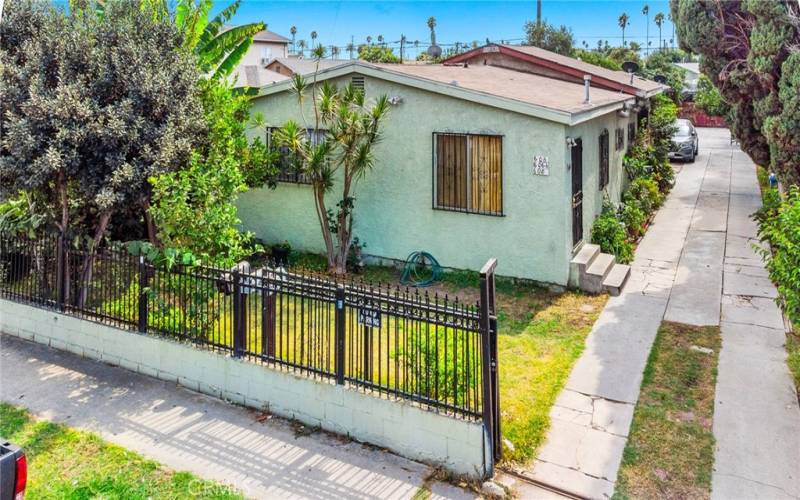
[322,215]
[64,228]
[88,260]
[152,232]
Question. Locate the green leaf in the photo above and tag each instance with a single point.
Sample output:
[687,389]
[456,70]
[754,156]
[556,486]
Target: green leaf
[230,62]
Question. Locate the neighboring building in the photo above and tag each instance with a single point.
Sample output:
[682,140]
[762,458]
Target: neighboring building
[476,162]
[289,66]
[252,69]
[543,62]
[690,80]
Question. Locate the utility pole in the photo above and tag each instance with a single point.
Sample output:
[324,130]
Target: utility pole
[538,12]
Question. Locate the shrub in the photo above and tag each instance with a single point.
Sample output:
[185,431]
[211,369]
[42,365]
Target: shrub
[709,99]
[633,218]
[609,232]
[644,192]
[779,225]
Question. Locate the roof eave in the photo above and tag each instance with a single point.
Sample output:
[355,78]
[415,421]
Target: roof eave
[554,115]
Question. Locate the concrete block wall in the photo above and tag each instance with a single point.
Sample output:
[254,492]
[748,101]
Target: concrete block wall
[456,444]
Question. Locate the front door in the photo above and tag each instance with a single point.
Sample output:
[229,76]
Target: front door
[577,192]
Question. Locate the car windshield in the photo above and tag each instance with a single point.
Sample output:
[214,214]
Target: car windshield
[683,130]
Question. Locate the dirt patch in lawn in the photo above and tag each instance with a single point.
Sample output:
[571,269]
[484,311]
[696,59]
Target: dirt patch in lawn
[670,450]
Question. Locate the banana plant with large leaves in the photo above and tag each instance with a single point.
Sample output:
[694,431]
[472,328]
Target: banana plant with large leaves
[218,48]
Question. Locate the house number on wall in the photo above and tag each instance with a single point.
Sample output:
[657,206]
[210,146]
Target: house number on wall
[541,165]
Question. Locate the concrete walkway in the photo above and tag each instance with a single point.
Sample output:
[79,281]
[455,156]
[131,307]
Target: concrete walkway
[261,457]
[694,264]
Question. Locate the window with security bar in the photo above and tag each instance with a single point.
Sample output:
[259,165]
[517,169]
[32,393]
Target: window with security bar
[468,173]
[604,157]
[288,162]
[619,138]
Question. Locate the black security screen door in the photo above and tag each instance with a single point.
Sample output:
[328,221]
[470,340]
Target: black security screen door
[577,192]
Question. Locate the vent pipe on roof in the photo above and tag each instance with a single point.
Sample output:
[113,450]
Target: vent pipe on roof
[587,83]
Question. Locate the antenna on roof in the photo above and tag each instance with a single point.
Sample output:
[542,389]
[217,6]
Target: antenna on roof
[630,67]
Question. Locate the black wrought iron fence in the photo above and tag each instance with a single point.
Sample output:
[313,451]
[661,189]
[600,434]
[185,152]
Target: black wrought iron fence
[394,341]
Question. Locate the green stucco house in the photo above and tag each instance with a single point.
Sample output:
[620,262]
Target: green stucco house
[477,161]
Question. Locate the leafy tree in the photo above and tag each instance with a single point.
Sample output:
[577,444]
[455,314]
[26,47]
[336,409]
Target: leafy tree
[546,36]
[662,63]
[746,50]
[93,107]
[598,58]
[194,207]
[352,127]
[377,54]
[709,99]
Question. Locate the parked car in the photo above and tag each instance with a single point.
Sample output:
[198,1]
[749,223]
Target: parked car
[13,471]
[685,144]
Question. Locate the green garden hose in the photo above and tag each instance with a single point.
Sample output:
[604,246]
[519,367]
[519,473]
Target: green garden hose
[421,270]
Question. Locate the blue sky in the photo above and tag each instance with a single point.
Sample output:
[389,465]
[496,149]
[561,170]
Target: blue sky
[458,21]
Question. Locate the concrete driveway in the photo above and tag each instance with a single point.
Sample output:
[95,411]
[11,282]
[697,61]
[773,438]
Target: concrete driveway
[695,265]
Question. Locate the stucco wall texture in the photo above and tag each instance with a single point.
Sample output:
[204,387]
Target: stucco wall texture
[394,212]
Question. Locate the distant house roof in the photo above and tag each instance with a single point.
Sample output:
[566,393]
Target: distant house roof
[262,36]
[255,76]
[269,36]
[535,95]
[691,67]
[304,66]
[568,66]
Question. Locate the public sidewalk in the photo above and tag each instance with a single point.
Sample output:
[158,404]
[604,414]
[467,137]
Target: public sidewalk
[694,265]
[261,457]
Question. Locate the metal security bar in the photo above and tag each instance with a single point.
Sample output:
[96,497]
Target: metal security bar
[389,340]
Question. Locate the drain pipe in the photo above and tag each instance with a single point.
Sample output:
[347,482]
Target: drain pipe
[587,83]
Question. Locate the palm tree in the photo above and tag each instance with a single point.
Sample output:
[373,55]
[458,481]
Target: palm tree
[380,40]
[313,38]
[646,12]
[293,31]
[623,22]
[672,40]
[350,49]
[302,45]
[431,23]
[334,52]
[369,40]
[416,48]
[659,19]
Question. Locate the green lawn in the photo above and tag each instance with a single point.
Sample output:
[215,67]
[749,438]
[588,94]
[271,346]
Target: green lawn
[541,335]
[670,450]
[65,463]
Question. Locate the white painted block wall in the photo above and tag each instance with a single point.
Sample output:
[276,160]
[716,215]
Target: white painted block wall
[456,444]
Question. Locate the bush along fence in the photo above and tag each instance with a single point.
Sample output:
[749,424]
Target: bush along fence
[394,342]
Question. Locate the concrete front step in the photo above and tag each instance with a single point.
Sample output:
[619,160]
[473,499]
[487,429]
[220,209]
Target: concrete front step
[592,279]
[616,278]
[585,256]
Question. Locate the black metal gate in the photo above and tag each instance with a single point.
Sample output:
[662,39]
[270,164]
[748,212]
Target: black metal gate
[577,192]
[491,392]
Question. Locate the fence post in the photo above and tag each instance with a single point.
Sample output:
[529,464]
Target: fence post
[238,316]
[488,324]
[143,309]
[339,348]
[268,322]
[61,270]
[367,353]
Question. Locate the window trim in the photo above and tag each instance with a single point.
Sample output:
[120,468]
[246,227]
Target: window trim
[619,139]
[434,199]
[604,171]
